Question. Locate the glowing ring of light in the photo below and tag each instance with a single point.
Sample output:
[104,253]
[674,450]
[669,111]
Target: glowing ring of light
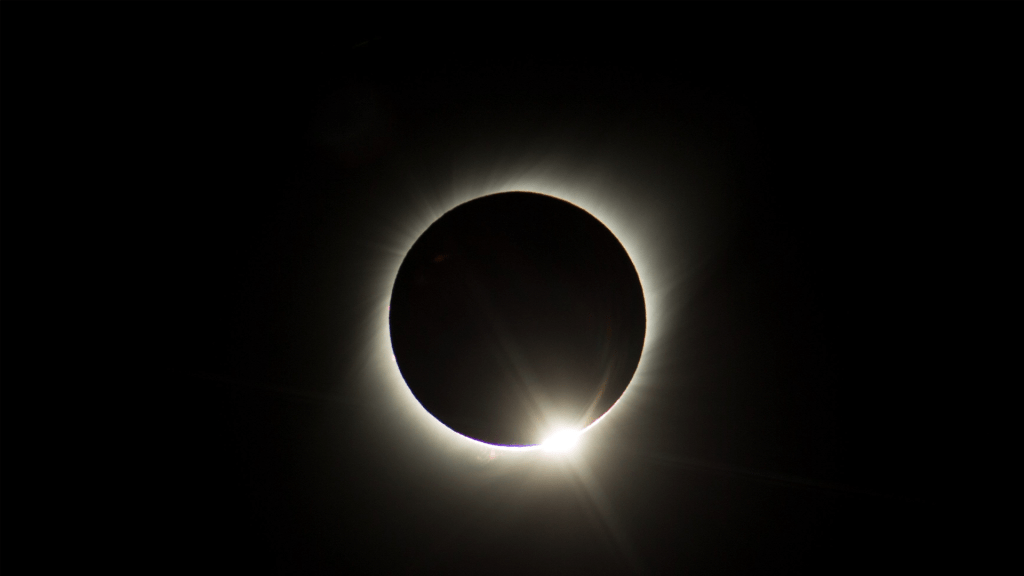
[626,218]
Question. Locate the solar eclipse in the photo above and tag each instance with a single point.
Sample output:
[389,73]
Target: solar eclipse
[528,303]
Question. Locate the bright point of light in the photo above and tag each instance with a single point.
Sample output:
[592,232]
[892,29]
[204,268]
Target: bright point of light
[561,441]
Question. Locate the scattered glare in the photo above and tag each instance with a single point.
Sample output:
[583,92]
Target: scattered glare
[561,441]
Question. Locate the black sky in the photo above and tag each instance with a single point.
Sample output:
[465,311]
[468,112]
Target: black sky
[201,203]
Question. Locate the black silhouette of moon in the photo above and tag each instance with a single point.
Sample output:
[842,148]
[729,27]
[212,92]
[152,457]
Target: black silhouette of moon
[515,315]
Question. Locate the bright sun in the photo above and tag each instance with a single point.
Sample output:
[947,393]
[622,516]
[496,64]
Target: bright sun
[561,441]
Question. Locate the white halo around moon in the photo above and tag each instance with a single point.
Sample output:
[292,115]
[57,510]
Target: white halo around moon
[639,220]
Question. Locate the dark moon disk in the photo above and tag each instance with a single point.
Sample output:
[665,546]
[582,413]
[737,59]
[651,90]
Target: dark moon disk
[515,315]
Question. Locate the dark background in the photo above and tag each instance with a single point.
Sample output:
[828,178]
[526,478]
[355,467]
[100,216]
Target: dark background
[194,207]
